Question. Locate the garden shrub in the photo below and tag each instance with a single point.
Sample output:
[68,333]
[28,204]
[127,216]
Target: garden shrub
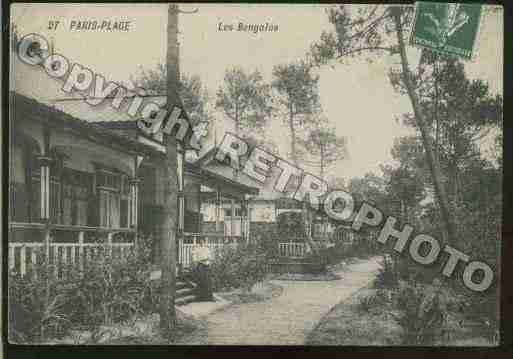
[429,312]
[343,250]
[424,311]
[266,242]
[367,302]
[239,266]
[483,309]
[36,308]
[108,290]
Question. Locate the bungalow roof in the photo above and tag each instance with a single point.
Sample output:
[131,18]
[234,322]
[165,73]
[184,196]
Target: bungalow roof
[37,96]
[26,107]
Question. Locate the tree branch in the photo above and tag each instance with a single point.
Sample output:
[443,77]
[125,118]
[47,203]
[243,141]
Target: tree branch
[369,48]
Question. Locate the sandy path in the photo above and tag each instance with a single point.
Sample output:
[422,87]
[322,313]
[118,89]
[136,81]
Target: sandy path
[287,319]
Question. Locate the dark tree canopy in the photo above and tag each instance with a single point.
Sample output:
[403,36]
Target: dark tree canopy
[193,94]
[245,99]
[297,88]
[324,147]
[297,98]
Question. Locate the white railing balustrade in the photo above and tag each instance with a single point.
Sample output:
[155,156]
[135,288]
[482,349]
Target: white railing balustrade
[186,249]
[293,249]
[215,242]
[61,253]
[26,256]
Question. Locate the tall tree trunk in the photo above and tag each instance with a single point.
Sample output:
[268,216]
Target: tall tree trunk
[236,119]
[170,180]
[293,136]
[447,215]
[307,218]
[235,171]
[322,162]
[168,242]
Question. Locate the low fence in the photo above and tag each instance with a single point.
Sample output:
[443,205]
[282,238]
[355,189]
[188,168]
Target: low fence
[213,241]
[61,246]
[23,256]
[293,249]
[26,256]
[185,251]
[213,238]
[347,236]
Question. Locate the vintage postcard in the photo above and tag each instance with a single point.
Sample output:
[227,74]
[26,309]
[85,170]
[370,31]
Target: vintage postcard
[243,174]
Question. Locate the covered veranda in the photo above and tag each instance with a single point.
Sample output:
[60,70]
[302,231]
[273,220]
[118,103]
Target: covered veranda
[215,210]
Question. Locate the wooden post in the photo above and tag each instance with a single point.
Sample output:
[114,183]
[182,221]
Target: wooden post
[33,259]
[198,229]
[232,218]
[180,259]
[181,195]
[134,199]
[109,243]
[23,260]
[218,200]
[72,255]
[81,258]
[248,219]
[242,231]
[64,256]
[47,245]
[44,163]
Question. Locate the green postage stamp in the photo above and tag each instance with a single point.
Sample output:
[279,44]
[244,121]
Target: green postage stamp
[446,27]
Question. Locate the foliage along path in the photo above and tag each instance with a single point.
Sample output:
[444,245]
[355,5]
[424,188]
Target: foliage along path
[288,318]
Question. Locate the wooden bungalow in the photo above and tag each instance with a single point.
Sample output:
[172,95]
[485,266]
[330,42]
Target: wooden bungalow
[72,185]
[198,186]
[271,211]
[82,177]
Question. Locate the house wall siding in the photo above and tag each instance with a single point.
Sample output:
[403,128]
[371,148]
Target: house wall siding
[262,212]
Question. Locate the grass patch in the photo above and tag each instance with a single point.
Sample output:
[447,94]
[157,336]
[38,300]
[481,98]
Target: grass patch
[143,331]
[368,318]
[351,323]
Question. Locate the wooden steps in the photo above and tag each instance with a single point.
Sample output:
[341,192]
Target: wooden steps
[185,289]
[185,292]
[185,300]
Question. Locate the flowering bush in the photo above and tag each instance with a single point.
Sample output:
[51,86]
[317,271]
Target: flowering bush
[237,267]
[36,307]
[430,312]
[108,290]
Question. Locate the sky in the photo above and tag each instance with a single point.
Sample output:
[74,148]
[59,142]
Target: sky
[356,97]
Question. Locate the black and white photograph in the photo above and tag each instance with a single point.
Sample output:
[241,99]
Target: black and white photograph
[254,174]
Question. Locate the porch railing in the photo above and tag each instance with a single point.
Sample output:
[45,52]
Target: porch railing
[218,238]
[293,249]
[68,246]
[346,236]
[215,242]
